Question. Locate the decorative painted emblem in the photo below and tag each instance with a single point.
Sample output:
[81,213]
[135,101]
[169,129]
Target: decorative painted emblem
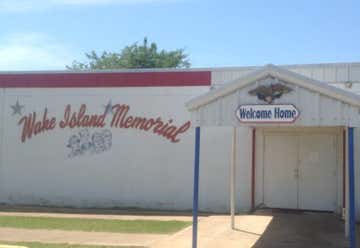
[83,143]
[17,108]
[271,92]
[109,108]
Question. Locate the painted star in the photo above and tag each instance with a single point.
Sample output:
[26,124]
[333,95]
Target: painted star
[108,108]
[17,108]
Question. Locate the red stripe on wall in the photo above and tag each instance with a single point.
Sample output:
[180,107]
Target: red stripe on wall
[113,79]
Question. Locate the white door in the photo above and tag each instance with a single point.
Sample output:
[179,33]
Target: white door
[300,171]
[317,172]
[280,161]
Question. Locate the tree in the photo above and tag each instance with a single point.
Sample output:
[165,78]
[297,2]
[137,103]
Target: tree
[134,56]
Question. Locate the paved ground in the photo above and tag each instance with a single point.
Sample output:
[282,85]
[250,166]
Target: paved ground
[302,229]
[263,229]
[78,237]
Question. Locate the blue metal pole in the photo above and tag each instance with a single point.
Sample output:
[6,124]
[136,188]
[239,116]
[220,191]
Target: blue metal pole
[196,186]
[351,188]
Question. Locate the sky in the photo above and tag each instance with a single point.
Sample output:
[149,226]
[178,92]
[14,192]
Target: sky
[50,34]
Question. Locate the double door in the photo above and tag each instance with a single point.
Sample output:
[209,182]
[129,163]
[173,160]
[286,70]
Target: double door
[300,171]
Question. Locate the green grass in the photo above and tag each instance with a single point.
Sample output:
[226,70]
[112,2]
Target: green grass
[44,245]
[93,225]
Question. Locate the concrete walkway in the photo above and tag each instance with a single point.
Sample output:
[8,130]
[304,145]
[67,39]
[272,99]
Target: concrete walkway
[264,229]
[78,237]
[215,232]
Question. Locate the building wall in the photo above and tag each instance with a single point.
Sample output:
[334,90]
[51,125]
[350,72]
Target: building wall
[141,169]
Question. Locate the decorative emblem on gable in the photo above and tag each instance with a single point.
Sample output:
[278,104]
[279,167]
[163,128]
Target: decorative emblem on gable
[270,92]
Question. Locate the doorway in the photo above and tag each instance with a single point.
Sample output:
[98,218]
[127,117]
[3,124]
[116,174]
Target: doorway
[300,171]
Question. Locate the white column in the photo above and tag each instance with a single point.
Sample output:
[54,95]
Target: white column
[232,178]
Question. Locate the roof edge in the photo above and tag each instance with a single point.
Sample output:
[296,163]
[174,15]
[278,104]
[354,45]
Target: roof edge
[214,68]
[278,72]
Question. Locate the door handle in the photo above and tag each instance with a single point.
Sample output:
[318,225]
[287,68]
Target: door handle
[296,173]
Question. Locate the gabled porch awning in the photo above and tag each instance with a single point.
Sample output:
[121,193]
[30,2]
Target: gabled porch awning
[318,103]
[273,96]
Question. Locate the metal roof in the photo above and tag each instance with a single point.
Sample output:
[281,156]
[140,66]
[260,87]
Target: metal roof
[280,73]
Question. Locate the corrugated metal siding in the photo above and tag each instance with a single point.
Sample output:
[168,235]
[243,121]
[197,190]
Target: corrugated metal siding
[335,74]
[355,88]
[315,109]
[222,76]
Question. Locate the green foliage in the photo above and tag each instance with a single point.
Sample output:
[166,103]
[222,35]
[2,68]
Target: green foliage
[93,225]
[132,57]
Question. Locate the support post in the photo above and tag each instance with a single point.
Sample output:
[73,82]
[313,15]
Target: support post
[232,178]
[347,230]
[351,187]
[196,187]
[253,155]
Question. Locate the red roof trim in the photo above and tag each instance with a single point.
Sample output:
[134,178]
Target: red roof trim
[113,79]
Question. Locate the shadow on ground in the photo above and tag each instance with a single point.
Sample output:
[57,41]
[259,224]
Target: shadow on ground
[297,229]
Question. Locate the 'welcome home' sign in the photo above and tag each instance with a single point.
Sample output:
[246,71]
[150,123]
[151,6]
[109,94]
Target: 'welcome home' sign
[258,113]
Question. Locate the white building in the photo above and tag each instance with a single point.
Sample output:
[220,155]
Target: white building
[123,139]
